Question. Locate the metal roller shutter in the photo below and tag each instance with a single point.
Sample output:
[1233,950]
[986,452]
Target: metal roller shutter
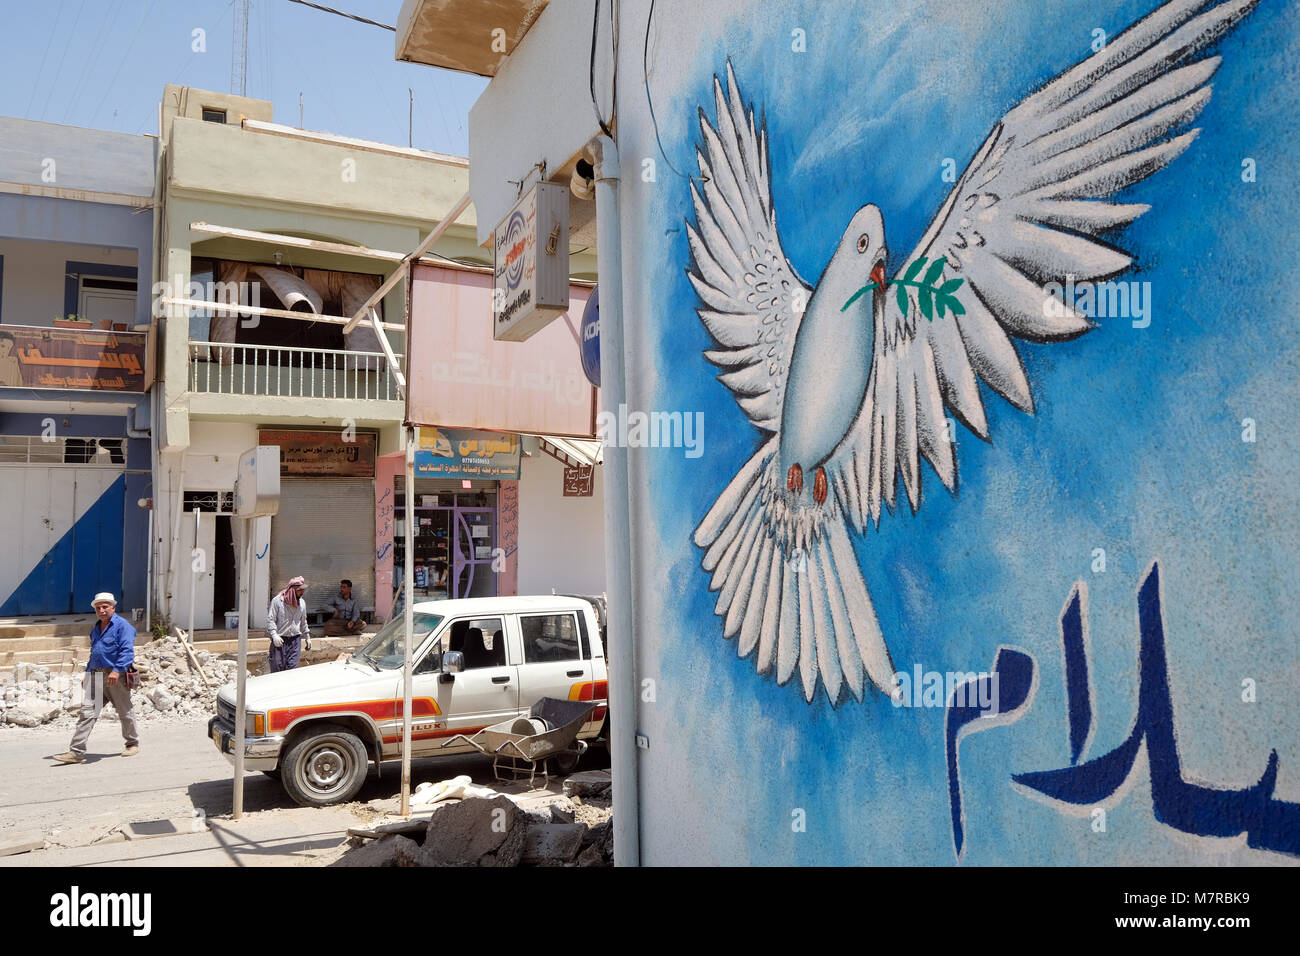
[325,530]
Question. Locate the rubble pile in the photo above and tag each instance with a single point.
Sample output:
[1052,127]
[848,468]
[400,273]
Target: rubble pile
[170,688]
[574,829]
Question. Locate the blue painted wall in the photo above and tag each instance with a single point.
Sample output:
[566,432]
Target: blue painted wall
[1139,446]
[111,540]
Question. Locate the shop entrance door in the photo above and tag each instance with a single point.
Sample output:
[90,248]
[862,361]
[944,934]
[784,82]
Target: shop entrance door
[474,540]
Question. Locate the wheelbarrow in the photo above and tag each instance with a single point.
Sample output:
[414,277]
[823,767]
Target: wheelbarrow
[522,744]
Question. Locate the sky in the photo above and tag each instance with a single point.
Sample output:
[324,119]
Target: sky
[103,64]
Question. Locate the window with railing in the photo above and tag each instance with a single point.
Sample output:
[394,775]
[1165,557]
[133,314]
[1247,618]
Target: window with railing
[223,369]
[277,355]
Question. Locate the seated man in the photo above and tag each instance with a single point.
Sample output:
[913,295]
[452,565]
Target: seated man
[347,615]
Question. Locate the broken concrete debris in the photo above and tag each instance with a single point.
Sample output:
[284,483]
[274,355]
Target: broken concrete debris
[170,688]
[493,831]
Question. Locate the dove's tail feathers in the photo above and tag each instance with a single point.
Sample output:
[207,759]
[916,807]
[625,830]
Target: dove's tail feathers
[804,609]
[742,488]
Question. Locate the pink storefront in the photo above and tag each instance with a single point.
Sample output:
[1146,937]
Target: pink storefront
[465,502]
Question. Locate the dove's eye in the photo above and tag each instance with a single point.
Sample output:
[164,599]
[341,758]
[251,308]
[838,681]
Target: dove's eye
[862,243]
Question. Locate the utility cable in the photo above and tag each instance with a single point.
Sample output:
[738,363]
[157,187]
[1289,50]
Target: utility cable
[340,13]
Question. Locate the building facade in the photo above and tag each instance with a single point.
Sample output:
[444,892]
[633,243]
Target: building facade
[76,367]
[299,229]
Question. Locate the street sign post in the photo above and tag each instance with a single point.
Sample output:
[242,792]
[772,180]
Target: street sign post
[257,494]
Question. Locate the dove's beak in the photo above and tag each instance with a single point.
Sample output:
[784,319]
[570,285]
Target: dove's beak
[878,274]
[878,293]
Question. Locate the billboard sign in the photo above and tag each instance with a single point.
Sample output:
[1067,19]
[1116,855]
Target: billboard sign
[457,453]
[322,454]
[460,377]
[35,357]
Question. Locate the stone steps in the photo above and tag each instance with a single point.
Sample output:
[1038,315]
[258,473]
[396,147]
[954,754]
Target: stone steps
[68,641]
[55,625]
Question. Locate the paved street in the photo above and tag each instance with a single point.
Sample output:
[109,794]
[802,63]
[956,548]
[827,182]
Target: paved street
[82,809]
[176,776]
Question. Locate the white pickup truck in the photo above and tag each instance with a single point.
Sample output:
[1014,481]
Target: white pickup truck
[477,661]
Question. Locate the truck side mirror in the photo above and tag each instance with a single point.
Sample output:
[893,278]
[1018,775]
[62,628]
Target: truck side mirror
[453,662]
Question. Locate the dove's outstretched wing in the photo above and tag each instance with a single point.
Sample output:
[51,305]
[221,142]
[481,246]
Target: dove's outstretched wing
[753,298]
[1026,212]
[789,588]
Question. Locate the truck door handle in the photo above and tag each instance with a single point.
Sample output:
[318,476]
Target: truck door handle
[501,680]
[573,673]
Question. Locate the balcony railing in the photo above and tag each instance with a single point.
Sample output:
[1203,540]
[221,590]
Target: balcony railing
[223,368]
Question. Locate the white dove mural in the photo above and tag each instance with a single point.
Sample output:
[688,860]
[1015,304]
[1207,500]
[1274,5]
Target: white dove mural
[850,380]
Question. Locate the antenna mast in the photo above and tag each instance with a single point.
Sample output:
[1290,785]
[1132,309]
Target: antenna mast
[239,56]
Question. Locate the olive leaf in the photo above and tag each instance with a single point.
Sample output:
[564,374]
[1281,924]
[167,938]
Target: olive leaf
[935,270]
[902,298]
[913,269]
[923,296]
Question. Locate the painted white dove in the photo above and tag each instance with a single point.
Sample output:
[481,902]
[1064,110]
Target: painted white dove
[838,430]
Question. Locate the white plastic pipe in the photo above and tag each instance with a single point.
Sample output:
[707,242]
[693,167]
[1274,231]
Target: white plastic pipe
[618,539]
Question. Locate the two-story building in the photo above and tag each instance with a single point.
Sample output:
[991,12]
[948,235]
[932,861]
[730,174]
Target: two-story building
[300,230]
[76,234]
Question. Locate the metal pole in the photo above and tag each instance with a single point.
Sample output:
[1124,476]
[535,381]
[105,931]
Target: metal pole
[618,536]
[407,582]
[453,214]
[241,675]
[194,575]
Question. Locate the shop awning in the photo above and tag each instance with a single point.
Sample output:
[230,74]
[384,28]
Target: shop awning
[572,451]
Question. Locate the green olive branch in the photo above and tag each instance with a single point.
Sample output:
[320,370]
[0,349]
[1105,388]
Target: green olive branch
[930,295]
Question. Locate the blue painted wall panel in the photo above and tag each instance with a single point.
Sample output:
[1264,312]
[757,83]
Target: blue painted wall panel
[97,548]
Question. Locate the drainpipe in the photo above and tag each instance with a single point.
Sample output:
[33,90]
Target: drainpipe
[134,430]
[176,536]
[618,538]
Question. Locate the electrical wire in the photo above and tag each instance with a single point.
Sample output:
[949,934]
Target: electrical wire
[645,73]
[139,29]
[58,71]
[350,16]
[591,73]
[36,83]
[101,35]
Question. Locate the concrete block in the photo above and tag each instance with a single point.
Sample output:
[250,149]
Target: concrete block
[553,842]
[13,843]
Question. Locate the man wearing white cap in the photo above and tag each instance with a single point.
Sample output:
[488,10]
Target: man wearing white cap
[112,651]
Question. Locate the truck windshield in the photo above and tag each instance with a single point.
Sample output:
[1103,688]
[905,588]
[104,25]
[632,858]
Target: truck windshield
[387,649]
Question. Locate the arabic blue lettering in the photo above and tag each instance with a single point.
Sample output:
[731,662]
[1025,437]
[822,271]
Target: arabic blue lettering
[1269,824]
[990,700]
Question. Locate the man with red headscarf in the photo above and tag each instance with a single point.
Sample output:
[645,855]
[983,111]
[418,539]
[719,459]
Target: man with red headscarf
[286,626]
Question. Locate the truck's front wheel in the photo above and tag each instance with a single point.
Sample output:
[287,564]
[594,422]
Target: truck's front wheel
[326,766]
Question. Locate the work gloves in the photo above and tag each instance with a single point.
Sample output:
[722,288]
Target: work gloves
[277,640]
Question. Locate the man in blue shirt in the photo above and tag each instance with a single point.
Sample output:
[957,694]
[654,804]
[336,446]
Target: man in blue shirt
[347,615]
[112,651]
